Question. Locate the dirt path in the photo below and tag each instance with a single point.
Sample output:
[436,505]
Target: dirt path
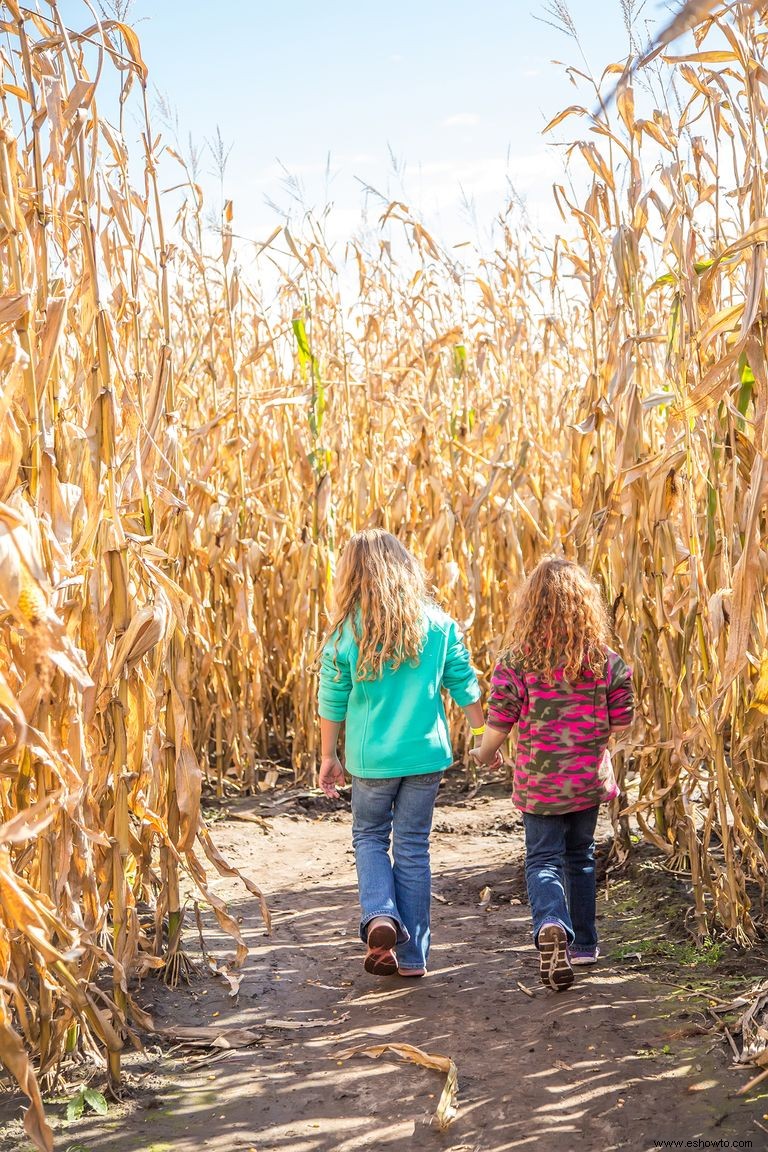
[604,1066]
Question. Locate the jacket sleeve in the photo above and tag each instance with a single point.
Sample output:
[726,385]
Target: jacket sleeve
[335,681]
[621,693]
[458,674]
[507,698]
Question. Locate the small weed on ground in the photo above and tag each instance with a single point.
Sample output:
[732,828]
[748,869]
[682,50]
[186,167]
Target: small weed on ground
[685,954]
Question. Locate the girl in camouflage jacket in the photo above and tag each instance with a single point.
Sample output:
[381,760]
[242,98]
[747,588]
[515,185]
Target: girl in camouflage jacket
[567,691]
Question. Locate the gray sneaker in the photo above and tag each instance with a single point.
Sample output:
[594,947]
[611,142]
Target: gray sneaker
[554,966]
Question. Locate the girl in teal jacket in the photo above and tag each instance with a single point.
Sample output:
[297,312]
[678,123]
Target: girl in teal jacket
[388,654]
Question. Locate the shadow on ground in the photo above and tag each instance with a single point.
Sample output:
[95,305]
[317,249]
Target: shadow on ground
[614,1063]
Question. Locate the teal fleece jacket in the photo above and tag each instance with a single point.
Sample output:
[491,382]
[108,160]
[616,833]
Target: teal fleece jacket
[396,725]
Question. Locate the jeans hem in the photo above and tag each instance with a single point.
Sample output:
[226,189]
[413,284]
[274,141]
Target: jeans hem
[559,924]
[403,936]
[416,962]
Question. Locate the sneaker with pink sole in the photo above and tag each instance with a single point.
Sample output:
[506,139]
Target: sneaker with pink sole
[380,959]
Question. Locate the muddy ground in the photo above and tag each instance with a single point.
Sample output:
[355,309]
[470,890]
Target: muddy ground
[624,1060]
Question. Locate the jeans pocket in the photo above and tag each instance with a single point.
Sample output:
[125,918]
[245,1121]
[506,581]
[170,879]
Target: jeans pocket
[428,779]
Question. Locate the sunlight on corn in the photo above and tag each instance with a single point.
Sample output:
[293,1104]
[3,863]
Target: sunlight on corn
[182,455]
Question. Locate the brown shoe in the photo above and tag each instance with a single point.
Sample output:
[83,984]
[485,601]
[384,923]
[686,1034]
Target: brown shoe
[380,959]
[554,966]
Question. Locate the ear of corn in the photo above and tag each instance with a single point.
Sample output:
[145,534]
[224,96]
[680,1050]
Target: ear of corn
[182,456]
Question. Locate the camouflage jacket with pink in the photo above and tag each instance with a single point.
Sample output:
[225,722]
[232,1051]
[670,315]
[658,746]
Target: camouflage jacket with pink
[563,763]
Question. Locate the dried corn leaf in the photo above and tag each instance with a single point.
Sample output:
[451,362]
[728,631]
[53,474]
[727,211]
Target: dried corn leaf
[16,1060]
[448,1106]
[212,1036]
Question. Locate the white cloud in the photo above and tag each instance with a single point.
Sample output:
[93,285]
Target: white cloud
[439,191]
[461,120]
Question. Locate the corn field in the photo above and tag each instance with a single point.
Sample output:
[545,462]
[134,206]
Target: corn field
[183,453]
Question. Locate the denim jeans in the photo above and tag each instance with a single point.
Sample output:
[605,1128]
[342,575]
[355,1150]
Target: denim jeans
[560,873]
[400,808]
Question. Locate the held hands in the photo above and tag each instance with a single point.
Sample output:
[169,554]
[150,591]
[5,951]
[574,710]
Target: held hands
[331,776]
[496,761]
[488,740]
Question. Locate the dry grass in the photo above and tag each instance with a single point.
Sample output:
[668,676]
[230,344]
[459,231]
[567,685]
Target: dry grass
[181,457]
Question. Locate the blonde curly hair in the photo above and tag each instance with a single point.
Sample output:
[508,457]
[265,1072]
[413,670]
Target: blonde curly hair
[380,588]
[558,621]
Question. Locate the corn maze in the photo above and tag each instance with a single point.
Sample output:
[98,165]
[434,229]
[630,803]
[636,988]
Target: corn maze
[182,454]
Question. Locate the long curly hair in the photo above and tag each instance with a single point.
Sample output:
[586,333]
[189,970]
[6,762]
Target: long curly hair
[380,588]
[558,622]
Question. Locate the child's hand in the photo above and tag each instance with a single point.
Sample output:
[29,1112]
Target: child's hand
[331,775]
[496,763]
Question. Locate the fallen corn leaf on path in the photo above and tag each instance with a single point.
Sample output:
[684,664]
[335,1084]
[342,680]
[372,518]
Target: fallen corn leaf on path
[615,1063]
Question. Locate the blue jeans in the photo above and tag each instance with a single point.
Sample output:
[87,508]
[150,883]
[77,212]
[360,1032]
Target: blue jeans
[399,807]
[560,873]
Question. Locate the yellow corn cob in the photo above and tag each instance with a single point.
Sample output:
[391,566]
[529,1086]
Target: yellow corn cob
[760,699]
[32,604]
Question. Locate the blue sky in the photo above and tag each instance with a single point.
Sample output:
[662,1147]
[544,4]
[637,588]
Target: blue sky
[435,103]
